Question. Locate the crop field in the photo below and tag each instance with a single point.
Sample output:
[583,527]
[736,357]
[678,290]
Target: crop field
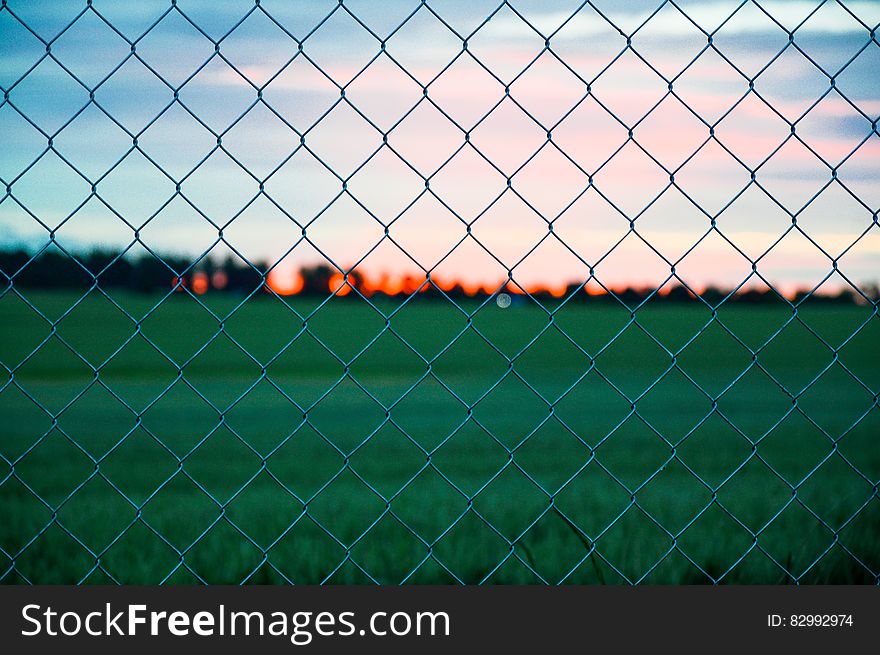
[189,442]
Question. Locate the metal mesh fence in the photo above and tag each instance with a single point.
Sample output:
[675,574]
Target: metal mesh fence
[713,440]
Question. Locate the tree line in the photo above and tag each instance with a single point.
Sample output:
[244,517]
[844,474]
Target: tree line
[53,269]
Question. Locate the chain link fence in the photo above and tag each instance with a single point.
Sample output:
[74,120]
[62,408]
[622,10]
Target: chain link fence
[282,367]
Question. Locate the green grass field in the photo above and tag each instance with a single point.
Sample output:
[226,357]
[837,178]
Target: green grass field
[148,473]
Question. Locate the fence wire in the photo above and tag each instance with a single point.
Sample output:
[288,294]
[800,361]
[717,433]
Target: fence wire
[16,565]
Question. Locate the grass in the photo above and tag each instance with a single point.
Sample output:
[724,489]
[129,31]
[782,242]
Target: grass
[269,467]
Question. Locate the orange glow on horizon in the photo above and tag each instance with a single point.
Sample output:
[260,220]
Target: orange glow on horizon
[443,285]
[470,288]
[409,284]
[593,288]
[285,284]
[339,285]
[292,283]
[200,282]
[289,283]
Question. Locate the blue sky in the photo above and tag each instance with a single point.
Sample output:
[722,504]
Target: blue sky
[264,99]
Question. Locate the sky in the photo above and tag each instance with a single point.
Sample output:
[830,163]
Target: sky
[368,135]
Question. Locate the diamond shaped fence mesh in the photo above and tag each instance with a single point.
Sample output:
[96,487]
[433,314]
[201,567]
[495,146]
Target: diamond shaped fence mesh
[439,292]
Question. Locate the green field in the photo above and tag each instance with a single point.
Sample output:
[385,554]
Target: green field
[183,462]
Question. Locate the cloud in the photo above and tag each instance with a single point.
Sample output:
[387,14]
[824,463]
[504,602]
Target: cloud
[708,15]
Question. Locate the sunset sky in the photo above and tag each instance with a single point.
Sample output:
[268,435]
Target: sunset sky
[262,99]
